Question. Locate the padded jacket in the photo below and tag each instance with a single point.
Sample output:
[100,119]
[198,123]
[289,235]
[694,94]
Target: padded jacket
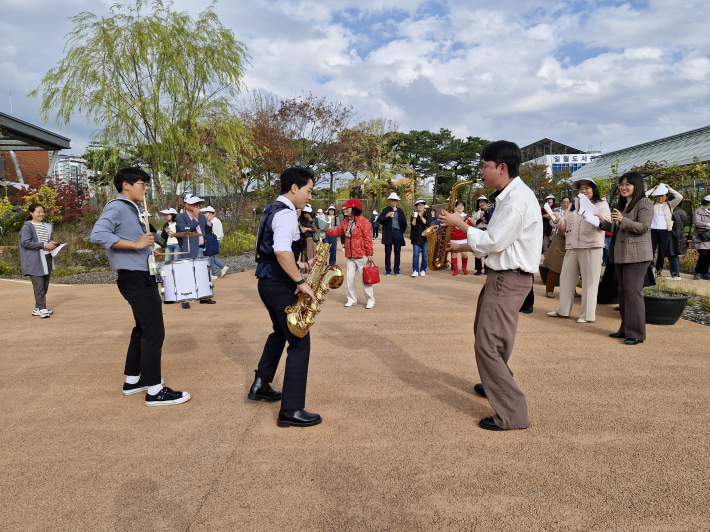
[359,244]
[580,234]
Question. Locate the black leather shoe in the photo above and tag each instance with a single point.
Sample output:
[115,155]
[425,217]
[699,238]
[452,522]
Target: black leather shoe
[528,311]
[633,341]
[169,302]
[208,302]
[186,305]
[478,388]
[488,424]
[297,418]
[478,272]
[262,391]
[617,335]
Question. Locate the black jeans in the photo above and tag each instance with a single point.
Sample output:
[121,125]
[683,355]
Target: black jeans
[703,264]
[276,297]
[397,245]
[375,231]
[660,238]
[146,346]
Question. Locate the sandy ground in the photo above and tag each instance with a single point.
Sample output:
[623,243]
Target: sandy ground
[619,436]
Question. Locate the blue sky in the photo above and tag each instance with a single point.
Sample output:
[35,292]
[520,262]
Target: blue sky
[585,73]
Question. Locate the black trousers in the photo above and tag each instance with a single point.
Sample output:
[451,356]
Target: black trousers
[375,231]
[529,300]
[660,238]
[40,285]
[397,246]
[703,264]
[146,346]
[276,296]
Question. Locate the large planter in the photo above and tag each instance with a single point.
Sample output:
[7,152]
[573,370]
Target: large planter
[664,307]
[543,275]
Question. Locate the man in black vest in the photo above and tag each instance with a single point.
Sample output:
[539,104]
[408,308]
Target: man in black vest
[280,282]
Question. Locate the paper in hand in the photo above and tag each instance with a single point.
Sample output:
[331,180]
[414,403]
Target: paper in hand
[588,210]
[549,211]
[57,250]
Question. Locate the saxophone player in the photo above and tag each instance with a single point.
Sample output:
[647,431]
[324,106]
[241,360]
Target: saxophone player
[512,244]
[280,283]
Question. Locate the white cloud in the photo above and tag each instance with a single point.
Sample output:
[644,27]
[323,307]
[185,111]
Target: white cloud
[578,72]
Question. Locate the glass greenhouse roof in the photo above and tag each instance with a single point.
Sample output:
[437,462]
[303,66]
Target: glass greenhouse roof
[679,149]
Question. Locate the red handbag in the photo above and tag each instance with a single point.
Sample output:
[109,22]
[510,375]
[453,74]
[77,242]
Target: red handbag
[370,273]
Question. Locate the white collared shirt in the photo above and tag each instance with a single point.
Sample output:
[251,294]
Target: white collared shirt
[514,236]
[285,226]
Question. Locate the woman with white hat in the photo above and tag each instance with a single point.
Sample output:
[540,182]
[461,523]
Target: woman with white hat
[701,220]
[332,240]
[662,224]
[546,227]
[375,225]
[419,221]
[170,228]
[584,244]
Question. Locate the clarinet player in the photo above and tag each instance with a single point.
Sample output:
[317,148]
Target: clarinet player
[280,283]
[122,233]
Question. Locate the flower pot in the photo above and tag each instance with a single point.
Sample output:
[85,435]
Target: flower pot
[664,307]
[543,275]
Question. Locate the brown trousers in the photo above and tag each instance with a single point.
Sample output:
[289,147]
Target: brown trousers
[632,308]
[40,284]
[494,328]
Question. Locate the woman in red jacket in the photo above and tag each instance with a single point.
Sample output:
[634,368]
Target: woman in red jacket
[358,248]
[459,237]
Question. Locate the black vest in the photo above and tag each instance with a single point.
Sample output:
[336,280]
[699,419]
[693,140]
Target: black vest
[268,266]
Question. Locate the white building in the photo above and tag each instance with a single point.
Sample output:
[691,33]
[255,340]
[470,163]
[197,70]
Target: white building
[563,161]
[72,170]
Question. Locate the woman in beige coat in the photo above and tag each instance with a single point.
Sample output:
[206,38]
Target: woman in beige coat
[667,199]
[584,245]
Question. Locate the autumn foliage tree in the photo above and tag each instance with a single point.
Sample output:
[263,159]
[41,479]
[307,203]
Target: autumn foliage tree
[60,200]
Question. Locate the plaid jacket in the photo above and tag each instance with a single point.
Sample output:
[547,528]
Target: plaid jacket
[631,239]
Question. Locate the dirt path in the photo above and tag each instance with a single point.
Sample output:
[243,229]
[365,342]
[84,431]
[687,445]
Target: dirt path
[619,435]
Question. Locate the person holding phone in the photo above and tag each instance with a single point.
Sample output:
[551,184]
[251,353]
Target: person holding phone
[36,245]
[419,221]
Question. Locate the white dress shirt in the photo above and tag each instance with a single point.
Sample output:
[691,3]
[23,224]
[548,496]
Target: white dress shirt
[514,236]
[659,219]
[285,226]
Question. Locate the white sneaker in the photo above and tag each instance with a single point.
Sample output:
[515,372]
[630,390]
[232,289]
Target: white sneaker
[36,312]
[44,313]
[554,314]
[224,271]
[349,304]
[580,320]
[370,304]
[415,273]
[422,273]
[671,278]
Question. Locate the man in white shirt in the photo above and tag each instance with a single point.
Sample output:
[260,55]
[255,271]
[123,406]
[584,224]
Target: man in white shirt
[219,233]
[511,246]
[280,283]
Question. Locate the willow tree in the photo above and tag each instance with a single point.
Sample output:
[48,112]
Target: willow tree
[148,77]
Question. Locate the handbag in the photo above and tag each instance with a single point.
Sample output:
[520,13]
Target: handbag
[370,273]
[704,236]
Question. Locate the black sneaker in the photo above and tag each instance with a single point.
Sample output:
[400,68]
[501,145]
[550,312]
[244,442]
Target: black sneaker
[166,397]
[130,389]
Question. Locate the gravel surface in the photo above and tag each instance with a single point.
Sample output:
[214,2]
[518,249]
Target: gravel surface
[697,315]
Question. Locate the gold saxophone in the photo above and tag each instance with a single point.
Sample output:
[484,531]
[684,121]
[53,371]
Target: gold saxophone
[438,240]
[322,279]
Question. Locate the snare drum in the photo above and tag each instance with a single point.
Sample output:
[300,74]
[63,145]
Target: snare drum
[202,278]
[186,280]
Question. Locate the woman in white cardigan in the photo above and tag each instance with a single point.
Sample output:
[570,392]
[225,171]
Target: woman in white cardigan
[662,224]
[584,244]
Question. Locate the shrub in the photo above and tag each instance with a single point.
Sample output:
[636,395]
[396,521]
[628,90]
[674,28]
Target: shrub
[237,243]
[8,269]
[689,260]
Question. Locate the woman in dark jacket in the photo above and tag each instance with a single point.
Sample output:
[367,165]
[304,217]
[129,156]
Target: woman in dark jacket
[630,251]
[677,245]
[701,220]
[375,225]
[36,244]
[419,221]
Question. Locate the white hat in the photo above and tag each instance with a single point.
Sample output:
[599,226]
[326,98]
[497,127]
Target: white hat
[603,199]
[209,208]
[393,196]
[191,200]
[320,211]
[660,190]
[166,211]
[331,207]
[426,206]
[482,197]
[375,212]
[307,208]
[575,184]
[707,198]
[549,196]
[419,201]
